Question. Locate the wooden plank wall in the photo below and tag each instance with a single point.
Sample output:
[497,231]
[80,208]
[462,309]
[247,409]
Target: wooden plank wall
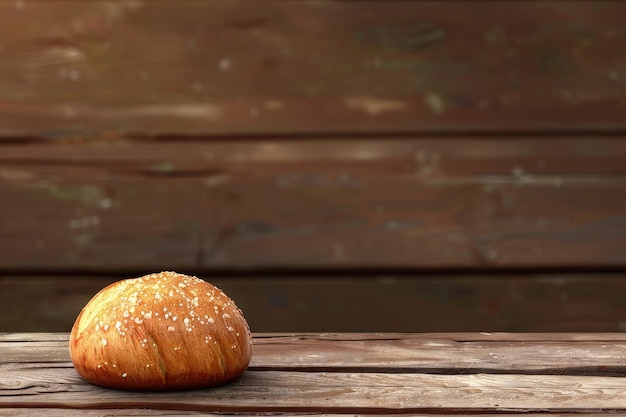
[457,165]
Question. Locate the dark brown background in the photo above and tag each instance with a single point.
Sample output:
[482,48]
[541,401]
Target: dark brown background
[333,166]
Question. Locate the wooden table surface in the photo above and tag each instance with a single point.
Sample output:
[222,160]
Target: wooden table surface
[350,373]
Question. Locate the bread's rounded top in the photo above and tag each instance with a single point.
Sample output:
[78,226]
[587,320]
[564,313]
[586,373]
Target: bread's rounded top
[162,331]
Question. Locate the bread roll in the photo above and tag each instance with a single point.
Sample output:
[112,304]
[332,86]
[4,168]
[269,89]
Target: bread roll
[164,331]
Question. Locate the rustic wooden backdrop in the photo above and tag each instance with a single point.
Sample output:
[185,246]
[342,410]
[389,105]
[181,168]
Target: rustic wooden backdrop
[332,165]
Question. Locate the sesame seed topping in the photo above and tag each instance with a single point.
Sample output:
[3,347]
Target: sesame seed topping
[211,320]
[171,329]
[124,375]
[104,342]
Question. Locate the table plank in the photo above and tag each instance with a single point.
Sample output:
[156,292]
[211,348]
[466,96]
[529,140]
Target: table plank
[449,353]
[339,392]
[224,67]
[367,373]
[53,412]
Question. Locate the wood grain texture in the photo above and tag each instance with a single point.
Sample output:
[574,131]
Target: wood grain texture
[123,127]
[238,67]
[52,412]
[599,354]
[55,412]
[280,387]
[339,303]
[271,391]
[410,203]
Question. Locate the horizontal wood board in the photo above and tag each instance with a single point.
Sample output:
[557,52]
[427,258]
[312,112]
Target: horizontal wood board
[299,67]
[597,353]
[317,374]
[54,412]
[381,303]
[398,203]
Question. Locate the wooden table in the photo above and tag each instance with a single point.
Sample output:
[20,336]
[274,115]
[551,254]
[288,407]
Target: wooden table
[367,373]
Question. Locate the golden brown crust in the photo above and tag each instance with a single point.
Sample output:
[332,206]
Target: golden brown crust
[164,331]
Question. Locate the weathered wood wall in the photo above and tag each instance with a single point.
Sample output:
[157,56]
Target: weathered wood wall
[450,161]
